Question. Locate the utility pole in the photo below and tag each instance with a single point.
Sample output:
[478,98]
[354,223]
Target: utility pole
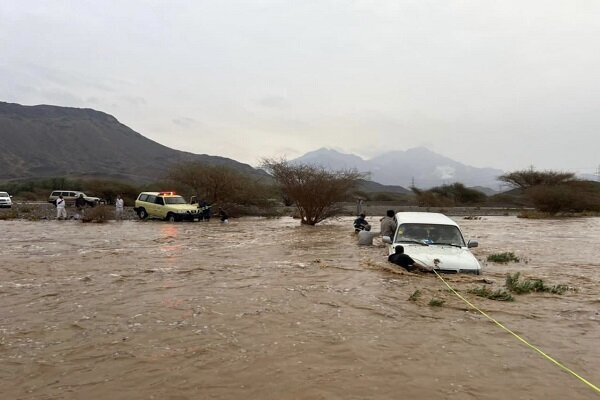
[413,181]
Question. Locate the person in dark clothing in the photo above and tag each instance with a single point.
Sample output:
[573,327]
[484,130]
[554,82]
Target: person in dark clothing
[80,202]
[204,210]
[401,259]
[361,224]
[223,215]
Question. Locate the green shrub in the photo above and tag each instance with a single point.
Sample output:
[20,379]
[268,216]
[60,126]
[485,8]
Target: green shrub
[448,195]
[415,296]
[576,196]
[517,286]
[499,294]
[503,258]
[435,302]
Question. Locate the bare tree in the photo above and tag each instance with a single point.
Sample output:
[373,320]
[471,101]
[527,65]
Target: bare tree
[529,177]
[314,190]
[212,182]
[217,183]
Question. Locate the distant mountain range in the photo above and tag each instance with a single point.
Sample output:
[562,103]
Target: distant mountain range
[419,165]
[49,141]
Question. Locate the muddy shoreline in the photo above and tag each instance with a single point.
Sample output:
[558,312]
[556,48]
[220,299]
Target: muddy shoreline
[46,211]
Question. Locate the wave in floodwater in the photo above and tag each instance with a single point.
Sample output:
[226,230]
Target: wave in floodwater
[267,308]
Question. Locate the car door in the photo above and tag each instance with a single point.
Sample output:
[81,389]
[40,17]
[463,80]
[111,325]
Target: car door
[160,207]
[150,205]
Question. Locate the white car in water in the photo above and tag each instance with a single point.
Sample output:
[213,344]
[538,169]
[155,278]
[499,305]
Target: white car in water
[5,200]
[434,241]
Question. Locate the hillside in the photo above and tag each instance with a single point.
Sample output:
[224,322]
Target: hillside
[425,167]
[48,141]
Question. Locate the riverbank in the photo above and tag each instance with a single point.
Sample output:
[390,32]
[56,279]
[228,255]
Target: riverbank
[45,211]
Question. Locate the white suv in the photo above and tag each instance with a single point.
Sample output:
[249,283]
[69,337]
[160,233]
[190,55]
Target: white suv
[5,200]
[434,241]
[71,195]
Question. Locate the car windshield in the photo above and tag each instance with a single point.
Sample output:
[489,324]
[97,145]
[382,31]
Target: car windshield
[3,194]
[174,200]
[430,234]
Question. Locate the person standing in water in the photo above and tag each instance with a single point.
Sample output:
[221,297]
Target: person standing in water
[223,216]
[361,224]
[119,205]
[61,211]
[388,224]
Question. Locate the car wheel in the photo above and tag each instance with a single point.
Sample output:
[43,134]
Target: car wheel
[142,214]
[171,217]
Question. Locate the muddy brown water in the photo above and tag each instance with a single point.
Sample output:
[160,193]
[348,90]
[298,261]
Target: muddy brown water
[269,309]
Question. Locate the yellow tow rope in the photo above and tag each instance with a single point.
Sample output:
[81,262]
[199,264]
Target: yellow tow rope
[546,356]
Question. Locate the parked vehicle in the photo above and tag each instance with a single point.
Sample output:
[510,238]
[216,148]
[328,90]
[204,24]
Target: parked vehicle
[71,195]
[5,200]
[435,241]
[165,205]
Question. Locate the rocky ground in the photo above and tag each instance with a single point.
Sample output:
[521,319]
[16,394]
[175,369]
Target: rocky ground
[39,211]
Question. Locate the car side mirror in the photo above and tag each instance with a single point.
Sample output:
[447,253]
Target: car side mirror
[472,243]
[386,239]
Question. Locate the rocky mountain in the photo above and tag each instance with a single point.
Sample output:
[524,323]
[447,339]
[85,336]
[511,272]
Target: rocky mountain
[370,187]
[425,167]
[50,141]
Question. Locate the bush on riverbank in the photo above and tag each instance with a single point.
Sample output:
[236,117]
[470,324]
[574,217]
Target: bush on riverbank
[503,258]
[448,196]
[552,192]
[98,214]
[576,196]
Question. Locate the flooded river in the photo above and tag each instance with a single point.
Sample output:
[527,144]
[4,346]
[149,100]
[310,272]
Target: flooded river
[269,309]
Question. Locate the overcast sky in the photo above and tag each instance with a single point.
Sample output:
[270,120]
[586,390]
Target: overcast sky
[504,84]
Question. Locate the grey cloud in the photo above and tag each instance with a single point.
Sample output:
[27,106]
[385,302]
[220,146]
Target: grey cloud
[134,100]
[184,122]
[274,102]
[502,84]
[61,96]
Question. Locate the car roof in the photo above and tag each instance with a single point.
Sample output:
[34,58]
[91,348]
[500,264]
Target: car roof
[163,194]
[423,218]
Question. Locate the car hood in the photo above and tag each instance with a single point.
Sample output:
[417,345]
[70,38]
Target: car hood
[443,257]
[183,207]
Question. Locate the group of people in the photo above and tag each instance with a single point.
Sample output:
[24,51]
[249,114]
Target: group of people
[81,204]
[388,225]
